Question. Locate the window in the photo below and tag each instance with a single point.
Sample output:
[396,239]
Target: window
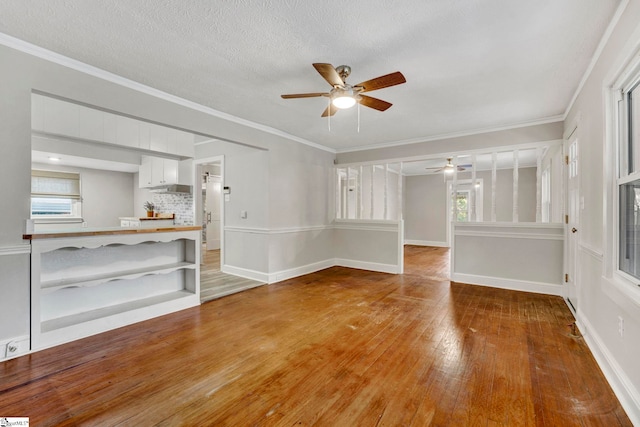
[467,203]
[462,204]
[55,195]
[629,181]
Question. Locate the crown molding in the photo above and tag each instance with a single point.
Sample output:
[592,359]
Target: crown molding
[65,61]
[552,119]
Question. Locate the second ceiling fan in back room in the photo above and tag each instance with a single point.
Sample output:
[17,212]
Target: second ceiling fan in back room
[448,168]
[344,95]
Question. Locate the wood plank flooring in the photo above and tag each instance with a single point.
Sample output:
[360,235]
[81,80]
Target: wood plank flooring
[340,347]
[216,284]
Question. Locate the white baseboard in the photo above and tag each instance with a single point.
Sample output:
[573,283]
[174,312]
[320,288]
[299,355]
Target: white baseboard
[426,243]
[279,276]
[623,387]
[246,273]
[371,266]
[512,284]
[14,347]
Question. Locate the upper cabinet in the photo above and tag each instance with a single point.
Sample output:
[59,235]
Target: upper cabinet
[53,116]
[156,171]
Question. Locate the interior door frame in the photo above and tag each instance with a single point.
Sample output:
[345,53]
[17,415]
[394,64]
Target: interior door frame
[571,264]
[198,205]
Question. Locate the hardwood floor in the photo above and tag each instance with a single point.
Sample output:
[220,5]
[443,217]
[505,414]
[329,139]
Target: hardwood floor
[340,347]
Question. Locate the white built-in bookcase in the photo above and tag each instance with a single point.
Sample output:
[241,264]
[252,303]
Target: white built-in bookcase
[82,286]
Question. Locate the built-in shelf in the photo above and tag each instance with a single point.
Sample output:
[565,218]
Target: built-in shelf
[83,284]
[87,316]
[97,279]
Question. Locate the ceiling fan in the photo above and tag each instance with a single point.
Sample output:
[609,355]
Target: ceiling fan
[448,167]
[344,95]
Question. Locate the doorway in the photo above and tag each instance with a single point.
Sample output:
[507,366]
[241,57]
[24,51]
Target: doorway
[209,212]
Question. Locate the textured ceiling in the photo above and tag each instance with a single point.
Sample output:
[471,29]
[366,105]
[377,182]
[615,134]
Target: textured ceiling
[469,65]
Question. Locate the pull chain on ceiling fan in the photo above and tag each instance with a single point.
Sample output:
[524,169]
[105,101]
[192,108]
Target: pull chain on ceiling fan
[344,95]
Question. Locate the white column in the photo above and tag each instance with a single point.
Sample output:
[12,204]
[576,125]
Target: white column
[494,178]
[473,192]
[386,190]
[454,190]
[359,211]
[346,189]
[373,173]
[400,198]
[539,184]
[515,185]
[338,193]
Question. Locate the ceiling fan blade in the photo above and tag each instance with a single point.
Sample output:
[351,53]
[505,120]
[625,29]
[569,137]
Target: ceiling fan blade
[304,95]
[382,82]
[375,103]
[329,73]
[330,110]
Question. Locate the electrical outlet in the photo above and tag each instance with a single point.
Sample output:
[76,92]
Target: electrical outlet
[621,326]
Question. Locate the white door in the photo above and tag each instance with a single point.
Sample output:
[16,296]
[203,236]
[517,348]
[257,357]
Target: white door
[573,222]
[212,212]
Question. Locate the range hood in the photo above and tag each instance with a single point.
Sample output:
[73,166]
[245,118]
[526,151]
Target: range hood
[172,189]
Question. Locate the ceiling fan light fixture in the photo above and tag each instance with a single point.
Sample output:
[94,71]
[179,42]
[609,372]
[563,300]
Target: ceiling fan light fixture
[344,102]
[343,98]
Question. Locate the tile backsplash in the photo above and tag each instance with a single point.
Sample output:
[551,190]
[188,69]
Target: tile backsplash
[180,204]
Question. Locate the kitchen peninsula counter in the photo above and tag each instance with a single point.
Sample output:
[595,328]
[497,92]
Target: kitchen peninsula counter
[86,281]
[107,231]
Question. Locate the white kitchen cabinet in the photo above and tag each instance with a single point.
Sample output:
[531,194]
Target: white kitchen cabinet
[158,138]
[110,128]
[127,132]
[143,140]
[145,172]
[184,144]
[156,171]
[60,117]
[169,172]
[91,124]
[50,115]
[180,143]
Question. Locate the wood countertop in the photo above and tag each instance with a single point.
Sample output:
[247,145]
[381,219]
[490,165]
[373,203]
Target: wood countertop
[85,232]
[145,218]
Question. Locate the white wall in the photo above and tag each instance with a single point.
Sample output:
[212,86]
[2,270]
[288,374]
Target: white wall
[513,256]
[106,195]
[600,301]
[425,210]
[299,176]
[425,201]
[369,245]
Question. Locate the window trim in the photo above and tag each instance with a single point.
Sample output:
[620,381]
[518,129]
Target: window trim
[616,282]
